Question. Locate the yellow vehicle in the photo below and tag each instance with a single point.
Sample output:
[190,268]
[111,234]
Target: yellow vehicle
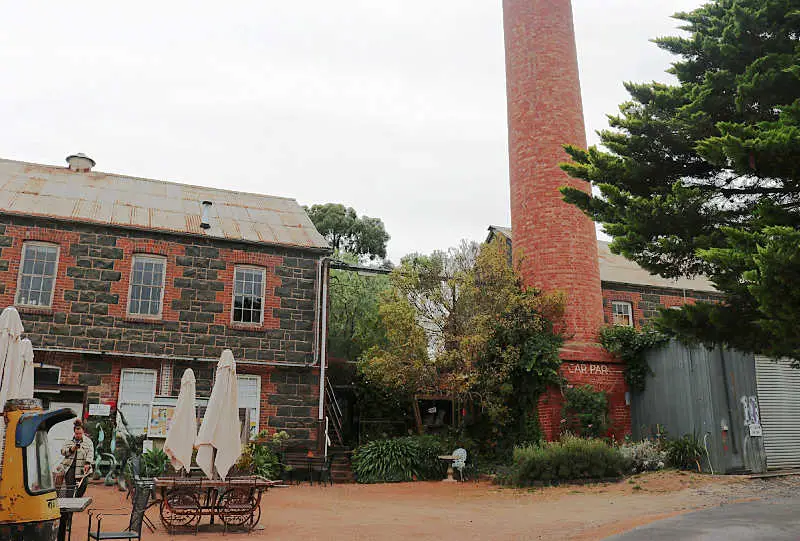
[28,503]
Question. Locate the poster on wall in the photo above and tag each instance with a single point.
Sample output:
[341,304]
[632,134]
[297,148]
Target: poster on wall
[160,421]
[162,411]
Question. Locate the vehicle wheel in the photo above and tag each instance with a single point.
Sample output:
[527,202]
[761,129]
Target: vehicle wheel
[180,508]
[236,507]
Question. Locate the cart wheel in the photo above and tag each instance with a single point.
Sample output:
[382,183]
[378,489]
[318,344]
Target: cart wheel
[236,508]
[180,508]
[255,516]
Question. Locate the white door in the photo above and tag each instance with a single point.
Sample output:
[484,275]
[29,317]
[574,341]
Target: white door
[61,432]
[137,387]
[250,399]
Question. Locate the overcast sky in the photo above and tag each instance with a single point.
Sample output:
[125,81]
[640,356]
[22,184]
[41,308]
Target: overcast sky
[394,107]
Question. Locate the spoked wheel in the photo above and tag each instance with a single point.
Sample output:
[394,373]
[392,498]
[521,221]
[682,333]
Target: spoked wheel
[180,508]
[237,508]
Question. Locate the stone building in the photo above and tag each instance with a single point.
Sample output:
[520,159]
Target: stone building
[122,283]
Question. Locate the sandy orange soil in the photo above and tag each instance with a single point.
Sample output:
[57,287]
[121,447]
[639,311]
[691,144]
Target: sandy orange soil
[463,511]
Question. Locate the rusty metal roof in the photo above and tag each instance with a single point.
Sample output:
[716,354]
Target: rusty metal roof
[616,268]
[104,198]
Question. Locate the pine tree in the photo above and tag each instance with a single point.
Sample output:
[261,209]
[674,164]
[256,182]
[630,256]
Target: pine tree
[703,176]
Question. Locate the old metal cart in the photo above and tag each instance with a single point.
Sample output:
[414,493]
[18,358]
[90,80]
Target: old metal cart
[235,501]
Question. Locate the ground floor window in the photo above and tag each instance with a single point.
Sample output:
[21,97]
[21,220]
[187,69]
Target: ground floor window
[622,313]
[250,399]
[137,387]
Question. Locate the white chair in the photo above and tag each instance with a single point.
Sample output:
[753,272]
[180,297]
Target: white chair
[460,461]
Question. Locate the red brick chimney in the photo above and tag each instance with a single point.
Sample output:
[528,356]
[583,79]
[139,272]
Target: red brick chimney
[554,243]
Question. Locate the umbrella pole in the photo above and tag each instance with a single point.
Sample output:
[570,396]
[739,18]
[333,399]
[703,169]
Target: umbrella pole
[214,475]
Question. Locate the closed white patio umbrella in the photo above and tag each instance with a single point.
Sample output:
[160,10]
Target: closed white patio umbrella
[25,389]
[218,442]
[183,430]
[10,365]
[10,359]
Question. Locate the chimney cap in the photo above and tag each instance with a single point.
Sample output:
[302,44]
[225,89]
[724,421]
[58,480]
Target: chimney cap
[80,162]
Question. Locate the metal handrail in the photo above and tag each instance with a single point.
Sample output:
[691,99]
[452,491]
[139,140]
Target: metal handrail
[329,389]
[334,411]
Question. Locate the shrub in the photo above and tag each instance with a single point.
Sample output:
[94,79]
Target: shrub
[154,463]
[645,455]
[387,461]
[406,459]
[262,455]
[586,411]
[684,453]
[570,459]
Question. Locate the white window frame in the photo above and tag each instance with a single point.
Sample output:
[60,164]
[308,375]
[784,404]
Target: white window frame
[22,266]
[263,272]
[239,377]
[51,367]
[629,308]
[160,314]
[120,396]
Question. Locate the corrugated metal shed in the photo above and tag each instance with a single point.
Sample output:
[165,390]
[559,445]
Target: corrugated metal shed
[710,394]
[615,268]
[95,197]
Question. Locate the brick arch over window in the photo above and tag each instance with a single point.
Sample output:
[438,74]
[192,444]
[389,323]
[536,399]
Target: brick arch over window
[269,263]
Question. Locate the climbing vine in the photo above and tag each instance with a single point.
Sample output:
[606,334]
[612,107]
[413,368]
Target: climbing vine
[585,411]
[631,346]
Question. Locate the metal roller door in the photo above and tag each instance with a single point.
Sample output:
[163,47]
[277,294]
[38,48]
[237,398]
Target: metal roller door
[779,400]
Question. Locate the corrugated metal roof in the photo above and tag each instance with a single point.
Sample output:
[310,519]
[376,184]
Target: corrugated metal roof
[50,191]
[616,268]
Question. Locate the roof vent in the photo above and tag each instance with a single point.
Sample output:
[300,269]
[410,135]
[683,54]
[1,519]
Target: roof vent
[80,162]
[205,216]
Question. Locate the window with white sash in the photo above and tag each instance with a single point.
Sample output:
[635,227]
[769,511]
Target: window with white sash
[147,286]
[37,274]
[622,313]
[248,295]
[137,387]
[250,399]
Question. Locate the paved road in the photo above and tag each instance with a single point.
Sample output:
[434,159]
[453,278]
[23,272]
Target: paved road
[774,519]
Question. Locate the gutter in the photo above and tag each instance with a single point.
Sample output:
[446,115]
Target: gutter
[169,357]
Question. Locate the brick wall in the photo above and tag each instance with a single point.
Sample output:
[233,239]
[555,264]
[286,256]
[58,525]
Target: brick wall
[288,401]
[646,301]
[90,301]
[607,377]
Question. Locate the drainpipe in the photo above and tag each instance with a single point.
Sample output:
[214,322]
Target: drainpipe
[323,333]
[320,264]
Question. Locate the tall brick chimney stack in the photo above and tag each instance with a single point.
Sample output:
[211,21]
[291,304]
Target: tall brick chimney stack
[554,243]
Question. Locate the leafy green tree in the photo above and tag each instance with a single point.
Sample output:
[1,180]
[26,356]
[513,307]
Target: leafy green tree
[354,323]
[704,176]
[347,232]
[460,323]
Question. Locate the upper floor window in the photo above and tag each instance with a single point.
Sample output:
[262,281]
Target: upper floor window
[147,286]
[248,295]
[622,313]
[37,274]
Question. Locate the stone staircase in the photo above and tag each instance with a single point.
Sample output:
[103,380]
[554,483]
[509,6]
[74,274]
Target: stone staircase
[341,470]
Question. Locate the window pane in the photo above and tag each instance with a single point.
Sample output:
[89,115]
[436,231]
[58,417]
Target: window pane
[44,298]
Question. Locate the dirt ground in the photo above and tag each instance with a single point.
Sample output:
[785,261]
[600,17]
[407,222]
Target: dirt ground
[467,511]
